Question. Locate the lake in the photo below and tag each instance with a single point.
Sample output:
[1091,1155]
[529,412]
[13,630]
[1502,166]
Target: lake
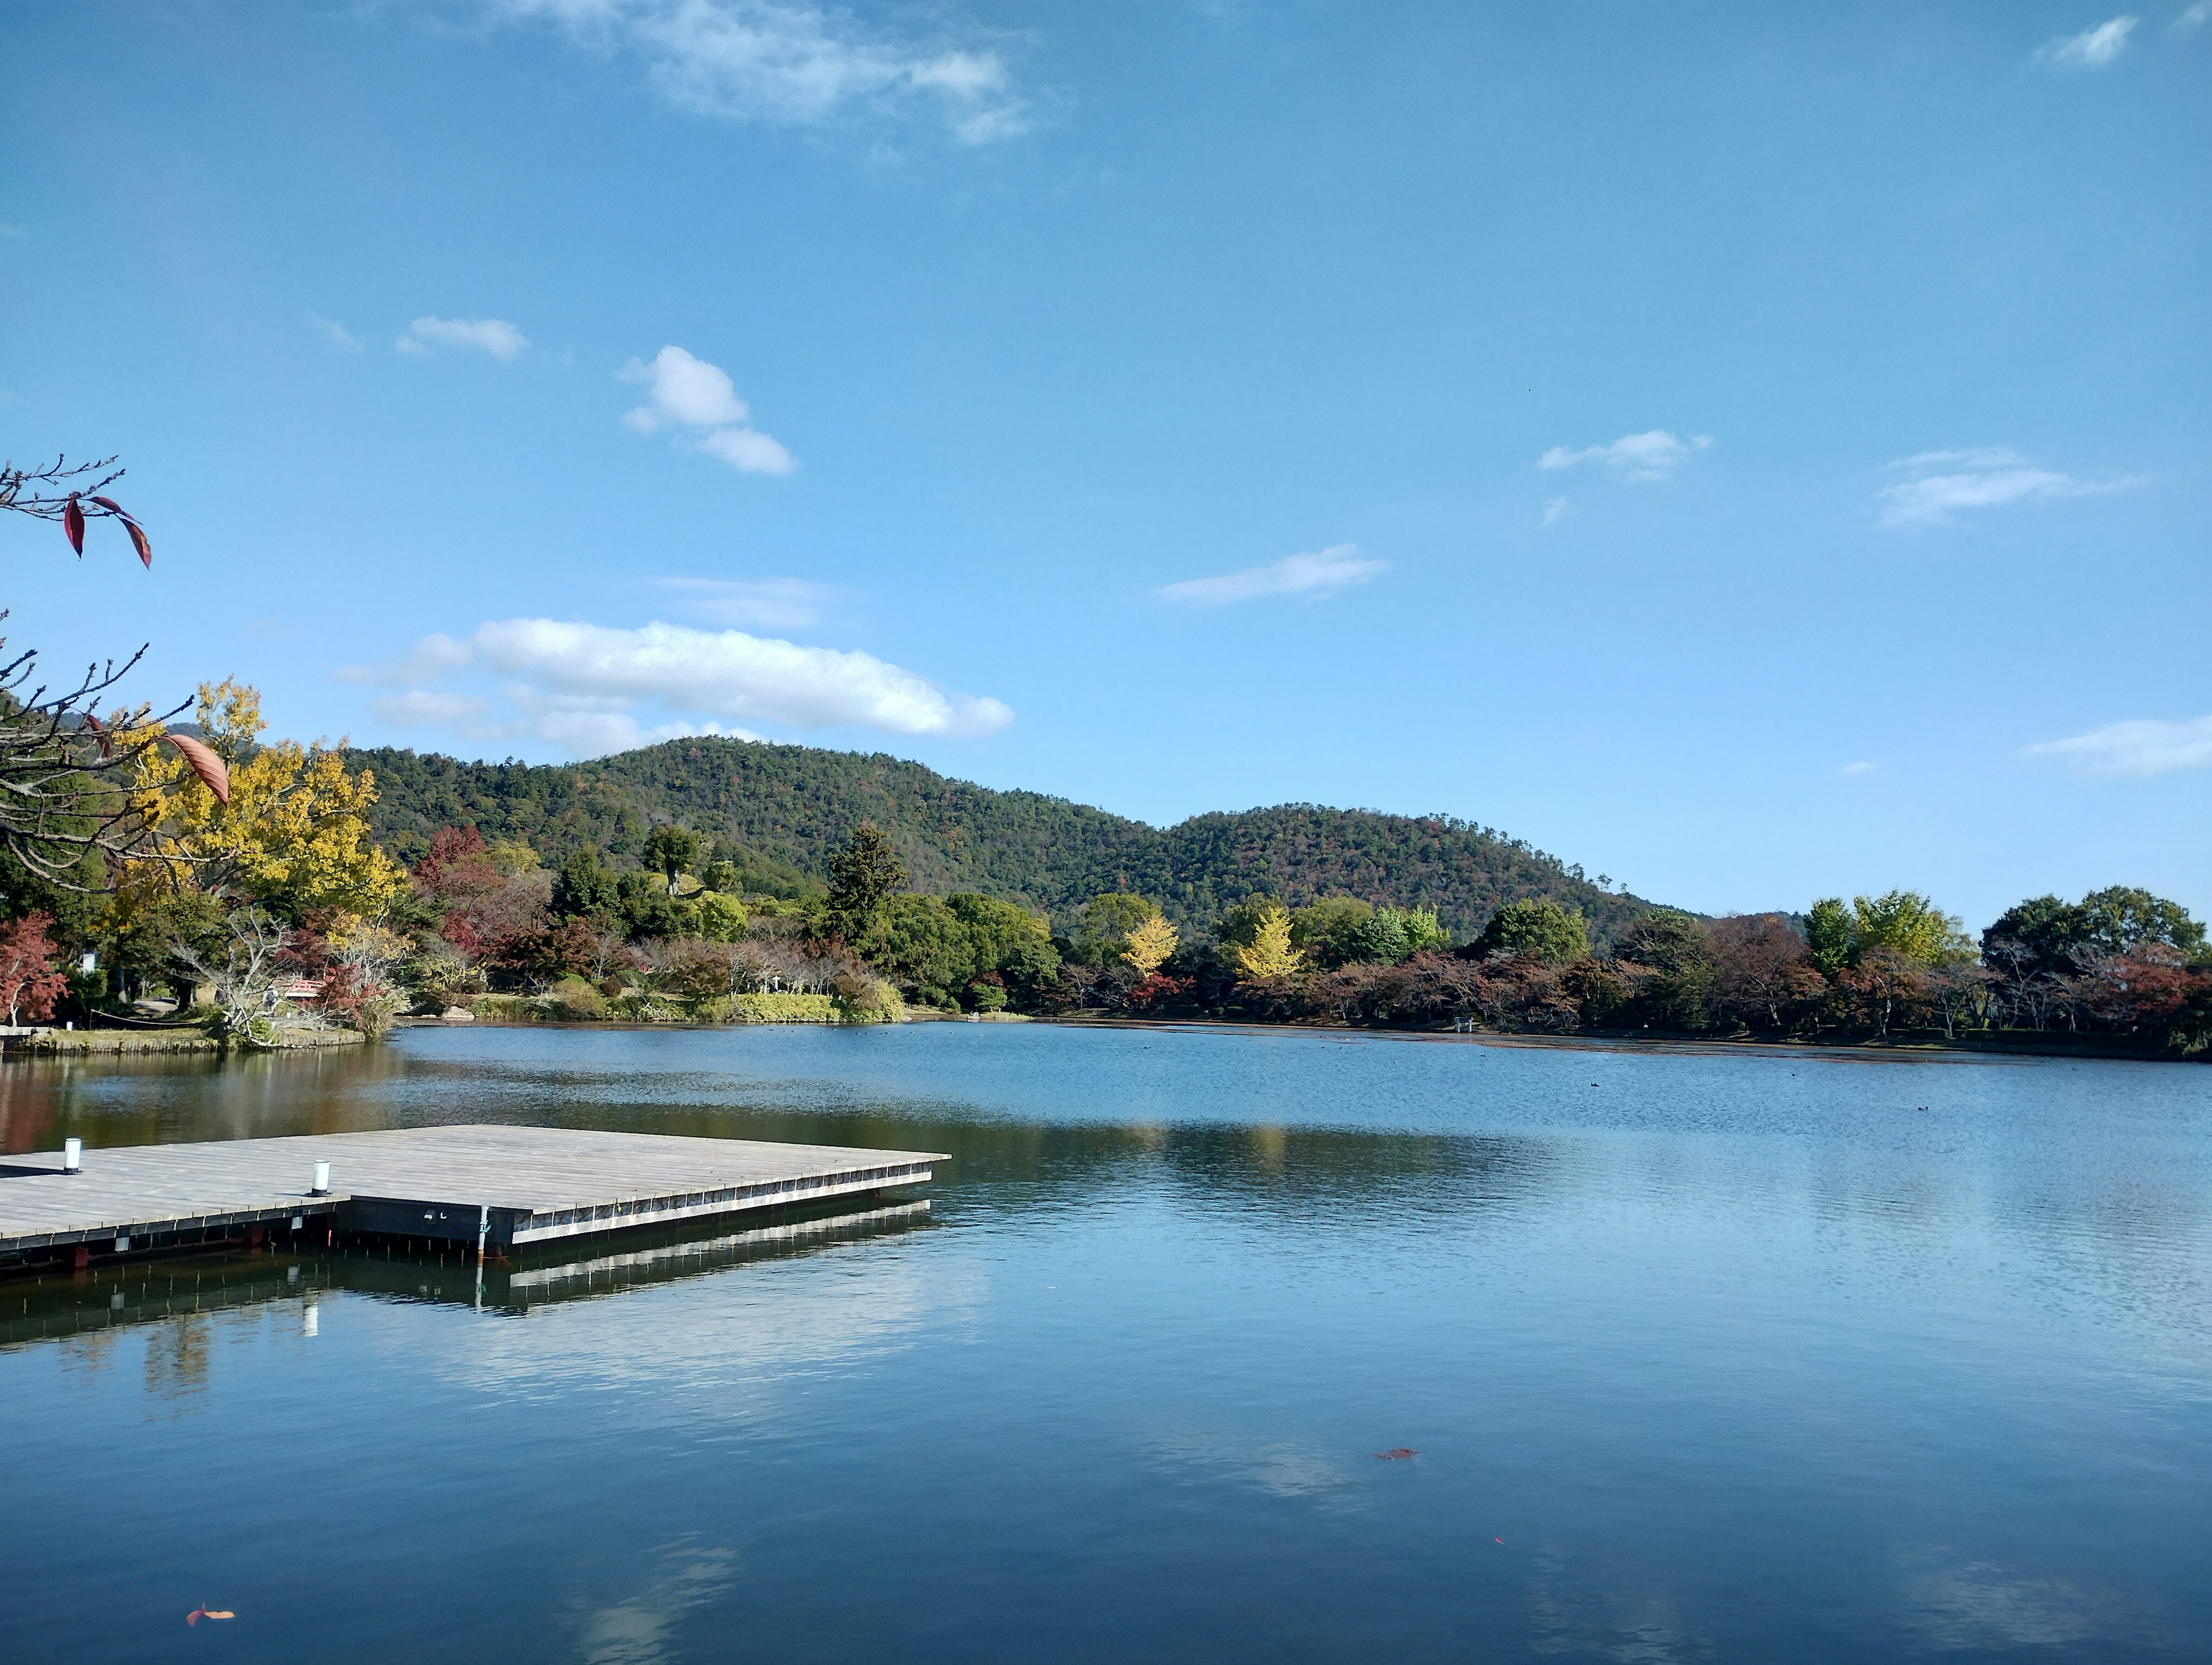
[1700,1356]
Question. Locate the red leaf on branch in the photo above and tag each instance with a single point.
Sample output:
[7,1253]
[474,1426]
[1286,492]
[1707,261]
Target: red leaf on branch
[137,533]
[204,763]
[73,524]
[100,728]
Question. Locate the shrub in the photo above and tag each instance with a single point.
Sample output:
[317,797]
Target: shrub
[782,1009]
[874,1002]
[576,1002]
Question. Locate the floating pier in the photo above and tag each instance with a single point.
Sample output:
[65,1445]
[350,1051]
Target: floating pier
[488,1188]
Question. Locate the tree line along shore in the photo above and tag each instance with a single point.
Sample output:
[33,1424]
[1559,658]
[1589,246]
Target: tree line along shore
[271,910]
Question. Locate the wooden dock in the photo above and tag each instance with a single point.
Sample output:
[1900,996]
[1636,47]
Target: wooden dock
[499,1188]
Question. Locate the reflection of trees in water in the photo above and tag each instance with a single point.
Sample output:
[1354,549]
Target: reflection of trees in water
[1324,1168]
[178,1352]
[109,1101]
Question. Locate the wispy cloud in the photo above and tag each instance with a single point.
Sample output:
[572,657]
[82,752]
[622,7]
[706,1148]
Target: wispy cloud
[582,686]
[774,604]
[2195,17]
[495,336]
[1943,484]
[686,391]
[1641,456]
[1320,574]
[788,62]
[1557,509]
[7,230]
[1859,768]
[2091,48]
[337,334]
[2148,747]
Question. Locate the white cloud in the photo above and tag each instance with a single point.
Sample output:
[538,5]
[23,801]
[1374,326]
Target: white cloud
[775,604]
[1320,574]
[2091,48]
[1642,457]
[337,334]
[2139,748]
[685,391]
[1942,484]
[788,62]
[1861,768]
[1557,509]
[581,685]
[746,451]
[422,707]
[2195,17]
[495,336]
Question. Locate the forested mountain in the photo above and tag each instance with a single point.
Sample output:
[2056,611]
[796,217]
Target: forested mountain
[779,810]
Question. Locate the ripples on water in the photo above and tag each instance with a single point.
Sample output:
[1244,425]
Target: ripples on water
[1741,1357]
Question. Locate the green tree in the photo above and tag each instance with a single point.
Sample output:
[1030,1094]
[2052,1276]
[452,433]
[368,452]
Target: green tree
[1829,928]
[2122,918]
[583,888]
[1423,930]
[1011,941]
[1905,922]
[863,875]
[1102,932]
[672,851]
[725,877]
[922,945]
[1676,951]
[1536,930]
[1330,930]
[722,917]
[1381,941]
[646,909]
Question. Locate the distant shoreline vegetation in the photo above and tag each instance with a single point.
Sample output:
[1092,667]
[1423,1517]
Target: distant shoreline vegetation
[319,892]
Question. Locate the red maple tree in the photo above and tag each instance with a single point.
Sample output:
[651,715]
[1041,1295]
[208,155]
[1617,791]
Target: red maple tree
[28,981]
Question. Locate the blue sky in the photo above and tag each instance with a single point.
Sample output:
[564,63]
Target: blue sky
[1756,452]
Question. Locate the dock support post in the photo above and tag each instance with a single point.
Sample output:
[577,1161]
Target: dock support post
[484,1229]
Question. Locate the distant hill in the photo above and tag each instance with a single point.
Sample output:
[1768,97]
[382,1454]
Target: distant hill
[779,810]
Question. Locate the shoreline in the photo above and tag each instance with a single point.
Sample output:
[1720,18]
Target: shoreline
[132,1043]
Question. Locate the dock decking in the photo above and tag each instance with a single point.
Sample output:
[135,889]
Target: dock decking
[507,1187]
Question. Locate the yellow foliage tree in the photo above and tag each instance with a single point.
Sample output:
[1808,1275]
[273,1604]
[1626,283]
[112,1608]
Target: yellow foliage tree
[1149,944]
[1269,954]
[296,826]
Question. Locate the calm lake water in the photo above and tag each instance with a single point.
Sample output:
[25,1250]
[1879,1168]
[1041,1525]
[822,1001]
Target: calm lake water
[1704,1358]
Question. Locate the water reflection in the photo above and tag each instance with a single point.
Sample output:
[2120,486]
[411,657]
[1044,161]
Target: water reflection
[1706,1355]
[87,1310]
[637,1631]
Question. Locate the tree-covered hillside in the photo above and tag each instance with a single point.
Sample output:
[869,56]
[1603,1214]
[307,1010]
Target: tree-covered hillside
[779,810]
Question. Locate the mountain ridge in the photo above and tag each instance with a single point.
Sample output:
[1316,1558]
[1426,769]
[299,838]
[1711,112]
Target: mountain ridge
[780,811]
